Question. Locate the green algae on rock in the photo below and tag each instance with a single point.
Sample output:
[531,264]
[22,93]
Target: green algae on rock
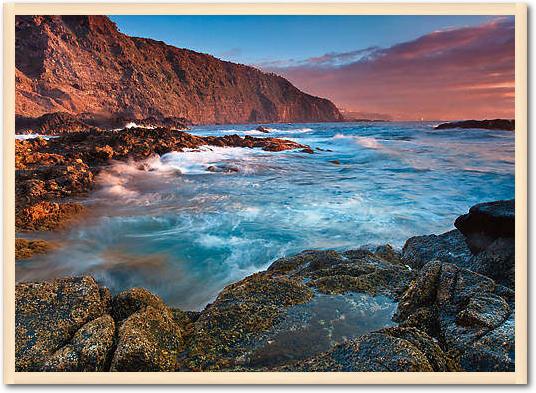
[48,314]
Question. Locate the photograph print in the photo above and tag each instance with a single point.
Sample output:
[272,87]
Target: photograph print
[274,193]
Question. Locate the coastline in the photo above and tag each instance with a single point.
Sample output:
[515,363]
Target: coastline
[446,315]
[51,174]
[440,304]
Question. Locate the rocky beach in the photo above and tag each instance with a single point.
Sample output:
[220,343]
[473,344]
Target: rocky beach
[315,311]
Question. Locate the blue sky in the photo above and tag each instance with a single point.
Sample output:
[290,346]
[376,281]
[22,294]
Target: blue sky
[261,39]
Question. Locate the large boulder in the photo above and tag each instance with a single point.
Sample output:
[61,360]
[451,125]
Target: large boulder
[89,350]
[48,314]
[391,349]
[487,222]
[447,247]
[489,230]
[149,340]
[464,311]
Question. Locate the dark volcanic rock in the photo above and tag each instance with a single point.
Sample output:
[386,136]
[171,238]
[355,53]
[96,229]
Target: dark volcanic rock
[447,247]
[497,261]
[489,230]
[391,349]
[496,124]
[83,65]
[263,129]
[55,123]
[486,222]
[466,312]
[48,314]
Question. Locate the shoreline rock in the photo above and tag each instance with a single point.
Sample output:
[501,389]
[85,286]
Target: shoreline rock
[25,248]
[50,174]
[495,124]
[320,310]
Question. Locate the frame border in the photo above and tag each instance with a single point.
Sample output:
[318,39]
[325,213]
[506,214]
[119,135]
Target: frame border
[519,10]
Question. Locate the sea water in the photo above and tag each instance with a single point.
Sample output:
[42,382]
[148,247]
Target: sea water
[173,227]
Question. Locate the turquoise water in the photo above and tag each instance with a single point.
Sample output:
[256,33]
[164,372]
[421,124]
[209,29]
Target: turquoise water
[183,232]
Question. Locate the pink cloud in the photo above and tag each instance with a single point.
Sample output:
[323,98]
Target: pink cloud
[450,74]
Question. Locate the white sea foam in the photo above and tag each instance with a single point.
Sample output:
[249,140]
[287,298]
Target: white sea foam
[33,136]
[365,141]
[197,161]
[134,125]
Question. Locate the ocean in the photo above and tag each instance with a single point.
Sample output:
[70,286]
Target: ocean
[186,224]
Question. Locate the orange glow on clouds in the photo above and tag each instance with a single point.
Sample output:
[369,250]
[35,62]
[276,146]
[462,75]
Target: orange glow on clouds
[464,73]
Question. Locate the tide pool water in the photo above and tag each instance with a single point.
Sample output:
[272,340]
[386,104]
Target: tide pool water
[186,224]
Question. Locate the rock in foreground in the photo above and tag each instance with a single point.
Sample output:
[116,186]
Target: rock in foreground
[47,316]
[315,311]
[301,306]
[470,315]
[489,230]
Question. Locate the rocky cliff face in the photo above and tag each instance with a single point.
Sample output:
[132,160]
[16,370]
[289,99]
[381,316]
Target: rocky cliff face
[84,66]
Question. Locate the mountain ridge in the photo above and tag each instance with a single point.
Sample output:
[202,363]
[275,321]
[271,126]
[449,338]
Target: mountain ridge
[84,66]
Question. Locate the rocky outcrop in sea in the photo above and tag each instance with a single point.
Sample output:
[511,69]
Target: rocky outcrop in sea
[429,307]
[51,174]
[495,124]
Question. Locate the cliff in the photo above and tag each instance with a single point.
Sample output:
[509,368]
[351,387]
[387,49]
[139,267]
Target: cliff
[84,66]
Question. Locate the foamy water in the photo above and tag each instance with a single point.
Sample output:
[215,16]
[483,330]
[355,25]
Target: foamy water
[33,136]
[184,225]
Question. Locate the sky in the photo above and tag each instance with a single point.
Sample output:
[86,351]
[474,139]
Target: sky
[395,67]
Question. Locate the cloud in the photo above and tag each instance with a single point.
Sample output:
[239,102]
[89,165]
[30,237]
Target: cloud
[448,74]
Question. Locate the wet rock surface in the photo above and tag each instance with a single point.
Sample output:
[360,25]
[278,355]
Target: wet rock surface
[448,247]
[464,309]
[302,305]
[392,349]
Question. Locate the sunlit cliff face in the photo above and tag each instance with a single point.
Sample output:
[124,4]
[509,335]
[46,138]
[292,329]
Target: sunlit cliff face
[449,74]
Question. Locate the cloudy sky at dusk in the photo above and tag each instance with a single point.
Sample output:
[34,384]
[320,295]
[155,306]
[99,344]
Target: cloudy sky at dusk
[398,67]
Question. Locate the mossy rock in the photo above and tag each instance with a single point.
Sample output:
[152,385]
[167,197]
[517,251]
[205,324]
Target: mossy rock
[89,350]
[48,314]
[149,340]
